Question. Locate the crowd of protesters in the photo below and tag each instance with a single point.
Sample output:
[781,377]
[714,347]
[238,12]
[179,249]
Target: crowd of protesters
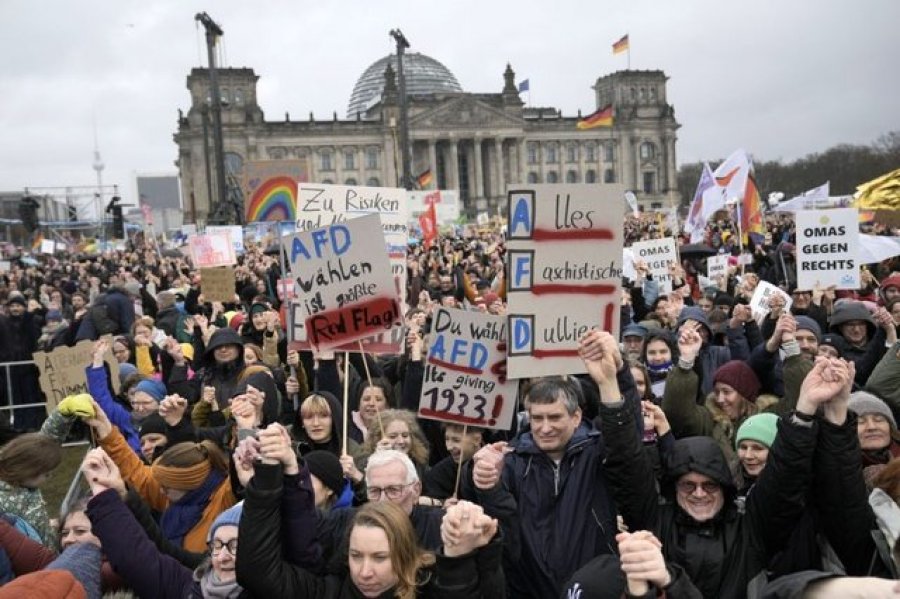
[706,452]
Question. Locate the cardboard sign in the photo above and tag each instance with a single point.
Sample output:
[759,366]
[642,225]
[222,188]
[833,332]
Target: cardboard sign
[465,373]
[762,297]
[828,248]
[658,254]
[235,232]
[62,371]
[217,284]
[320,205]
[211,250]
[346,291]
[564,258]
[717,266]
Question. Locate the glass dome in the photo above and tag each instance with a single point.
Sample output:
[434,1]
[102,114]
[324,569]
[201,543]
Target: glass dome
[424,75]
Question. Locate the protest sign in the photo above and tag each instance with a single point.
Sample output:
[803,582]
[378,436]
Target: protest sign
[62,371]
[446,204]
[658,254]
[465,372]
[761,301]
[346,291]
[828,249]
[217,284]
[564,258]
[717,266]
[235,232]
[5,265]
[47,246]
[319,205]
[628,270]
[211,250]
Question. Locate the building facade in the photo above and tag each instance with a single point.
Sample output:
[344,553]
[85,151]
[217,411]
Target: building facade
[476,143]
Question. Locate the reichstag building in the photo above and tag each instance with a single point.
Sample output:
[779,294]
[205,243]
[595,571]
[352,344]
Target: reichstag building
[476,143]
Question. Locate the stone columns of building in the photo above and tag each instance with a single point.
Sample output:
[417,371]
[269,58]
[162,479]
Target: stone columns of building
[497,182]
[671,176]
[635,164]
[521,159]
[432,160]
[453,167]
[479,171]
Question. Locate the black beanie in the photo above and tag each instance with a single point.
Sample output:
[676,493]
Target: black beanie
[153,423]
[325,466]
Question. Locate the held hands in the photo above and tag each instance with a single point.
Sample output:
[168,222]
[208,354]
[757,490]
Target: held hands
[275,447]
[172,409]
[785,329]
[465,528]
[101,473]
[488,464]
[741,315]
[244,456]
[828,384]
[655,417]
[602,358]
[642,561]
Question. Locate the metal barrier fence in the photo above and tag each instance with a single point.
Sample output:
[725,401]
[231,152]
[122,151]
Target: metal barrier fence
[12,405]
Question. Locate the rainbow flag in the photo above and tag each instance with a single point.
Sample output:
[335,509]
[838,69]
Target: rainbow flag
[425,179]
[602,117]
[621,45]
[751,210]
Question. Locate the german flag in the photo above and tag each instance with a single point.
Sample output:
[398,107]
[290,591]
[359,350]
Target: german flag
[621,45]
[602,117]
[425,179]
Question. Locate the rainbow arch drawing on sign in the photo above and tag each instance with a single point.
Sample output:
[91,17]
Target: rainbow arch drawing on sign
[274,199]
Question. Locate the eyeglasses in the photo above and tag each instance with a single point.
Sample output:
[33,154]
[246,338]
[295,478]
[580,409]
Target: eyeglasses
[689,487]
[216,546]
[393,492]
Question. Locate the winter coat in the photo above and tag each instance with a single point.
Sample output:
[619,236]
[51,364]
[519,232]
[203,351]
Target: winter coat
[139,477]
[98,387]
[262,570]
[884,381]
[866,357]
[120,308]
[567,511]
[722,555]
[147,571]
[713,356]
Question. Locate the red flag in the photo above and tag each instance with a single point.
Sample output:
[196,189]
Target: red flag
[428,223]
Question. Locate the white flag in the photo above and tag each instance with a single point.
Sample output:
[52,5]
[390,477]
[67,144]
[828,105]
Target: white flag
[808,200]
[695,223]
[730,182]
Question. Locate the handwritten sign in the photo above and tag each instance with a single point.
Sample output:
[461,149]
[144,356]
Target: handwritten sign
[658,254]
[828,248]
[346,291]
[761,301]
[211,250]
[235,233]
[465,374]
[217,284]
[717,266]
[62,371]
[564,256]
[320,205]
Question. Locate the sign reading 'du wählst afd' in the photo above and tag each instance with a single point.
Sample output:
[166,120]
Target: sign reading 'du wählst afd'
[465,372]
[564,258]
[345,289]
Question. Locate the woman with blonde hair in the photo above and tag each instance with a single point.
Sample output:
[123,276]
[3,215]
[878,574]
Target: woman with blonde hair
[383,559]
[188,484]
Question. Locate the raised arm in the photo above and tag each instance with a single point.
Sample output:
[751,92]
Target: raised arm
[680,398]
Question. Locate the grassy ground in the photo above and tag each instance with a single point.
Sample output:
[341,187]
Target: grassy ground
[55,489]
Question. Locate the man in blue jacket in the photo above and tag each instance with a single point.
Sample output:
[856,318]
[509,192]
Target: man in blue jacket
[568,478]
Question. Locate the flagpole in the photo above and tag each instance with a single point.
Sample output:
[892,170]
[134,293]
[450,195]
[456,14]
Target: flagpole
[628,50]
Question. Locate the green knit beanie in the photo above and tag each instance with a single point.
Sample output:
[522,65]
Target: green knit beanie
[761,428]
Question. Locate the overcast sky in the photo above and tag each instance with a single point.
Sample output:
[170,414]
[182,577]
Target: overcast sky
[781,79]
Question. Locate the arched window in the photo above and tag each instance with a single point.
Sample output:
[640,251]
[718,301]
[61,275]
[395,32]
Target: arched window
[350,181]
[571,177]
[590,176]
[532,177]
[648,150]
[609,176]
[552,177]
[327,182]
[373,182]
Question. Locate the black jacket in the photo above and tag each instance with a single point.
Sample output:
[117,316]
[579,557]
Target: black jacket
[263,572]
